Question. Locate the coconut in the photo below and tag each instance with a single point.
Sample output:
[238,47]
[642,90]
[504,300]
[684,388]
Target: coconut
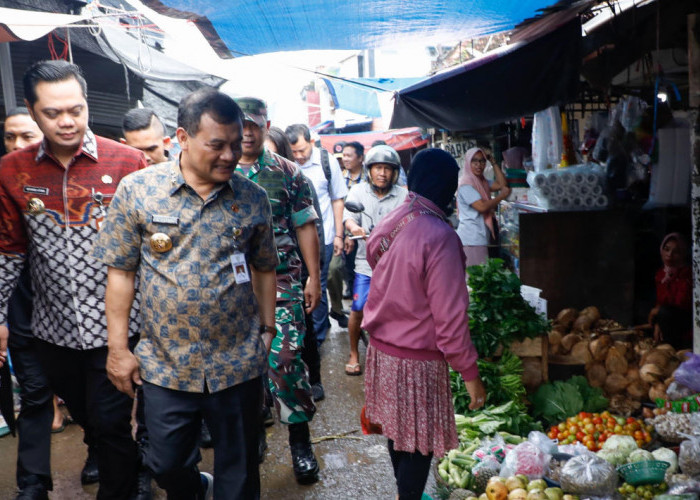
[615,362]
[568,341]
[622,347]
[638,390]
[632,373]
[581,353]
[596,374]
[566,317]
[651,374]
[554,339]
[592,312]
[615,383]
[583,323]
[657,391]
[658,357]
[599,347]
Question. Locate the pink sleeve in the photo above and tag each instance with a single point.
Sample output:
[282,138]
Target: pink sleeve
[448,300]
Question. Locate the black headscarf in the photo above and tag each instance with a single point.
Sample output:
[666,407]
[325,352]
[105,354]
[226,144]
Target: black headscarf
[434,175]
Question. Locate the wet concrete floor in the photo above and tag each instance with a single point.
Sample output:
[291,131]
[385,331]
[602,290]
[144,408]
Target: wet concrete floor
[352,467]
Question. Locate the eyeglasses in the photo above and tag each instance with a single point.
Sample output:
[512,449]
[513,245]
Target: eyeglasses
[481,162]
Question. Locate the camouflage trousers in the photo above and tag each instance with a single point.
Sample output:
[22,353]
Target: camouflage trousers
[287,373]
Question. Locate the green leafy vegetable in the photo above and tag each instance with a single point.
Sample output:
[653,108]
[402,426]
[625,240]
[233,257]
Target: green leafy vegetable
[502,380]
[510,417]
[593,399]
[555,401]
[498,314]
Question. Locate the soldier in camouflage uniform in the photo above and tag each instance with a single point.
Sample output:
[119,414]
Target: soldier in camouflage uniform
[295,231]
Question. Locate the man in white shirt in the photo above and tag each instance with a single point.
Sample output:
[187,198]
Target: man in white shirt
[324,172]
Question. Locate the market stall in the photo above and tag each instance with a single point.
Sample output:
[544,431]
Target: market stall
[622,428]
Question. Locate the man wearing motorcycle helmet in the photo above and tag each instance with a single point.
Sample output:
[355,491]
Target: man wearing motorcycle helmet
[379,195]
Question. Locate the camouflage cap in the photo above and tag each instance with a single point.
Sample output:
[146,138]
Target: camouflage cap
[254,109]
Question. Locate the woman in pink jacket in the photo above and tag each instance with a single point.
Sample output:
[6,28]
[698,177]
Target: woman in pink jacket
[416,315]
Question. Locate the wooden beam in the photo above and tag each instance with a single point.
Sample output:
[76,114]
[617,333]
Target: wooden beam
[694,116]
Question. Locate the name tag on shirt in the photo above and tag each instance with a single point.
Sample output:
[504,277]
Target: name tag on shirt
[165,219]
[240,268]
[36,190]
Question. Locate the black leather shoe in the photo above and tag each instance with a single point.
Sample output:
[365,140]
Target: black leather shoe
[317,392]
[33,492]
[340,318]
[205,438]
[143,485]
[90,473]
[304,463]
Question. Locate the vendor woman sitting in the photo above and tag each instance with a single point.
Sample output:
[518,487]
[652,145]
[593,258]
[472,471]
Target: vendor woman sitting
[672,317]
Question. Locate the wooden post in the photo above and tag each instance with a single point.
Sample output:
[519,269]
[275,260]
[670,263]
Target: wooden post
[694,116]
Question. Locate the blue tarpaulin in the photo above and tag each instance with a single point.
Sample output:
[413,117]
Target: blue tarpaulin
[359,95]
[249,27]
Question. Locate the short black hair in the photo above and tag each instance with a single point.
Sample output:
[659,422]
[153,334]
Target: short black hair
[279,139]
[140,119]
[359,148]
[222,108]
[19,110]
[50,71]
[298,130]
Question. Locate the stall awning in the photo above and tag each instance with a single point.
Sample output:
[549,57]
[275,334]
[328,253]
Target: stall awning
[17,24]
[400,139]
[278,25]
[507,83]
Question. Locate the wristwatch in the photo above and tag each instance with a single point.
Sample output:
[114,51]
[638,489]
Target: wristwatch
[268,329]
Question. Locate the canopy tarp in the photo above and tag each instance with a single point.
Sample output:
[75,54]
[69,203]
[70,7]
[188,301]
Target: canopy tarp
[250,27]
[359,95]
[400,139]
[507,83]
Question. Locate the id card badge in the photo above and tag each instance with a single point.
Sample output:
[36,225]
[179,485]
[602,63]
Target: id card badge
[240,268]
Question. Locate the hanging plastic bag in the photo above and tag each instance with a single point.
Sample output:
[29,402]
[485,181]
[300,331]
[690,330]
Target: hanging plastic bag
[688,373]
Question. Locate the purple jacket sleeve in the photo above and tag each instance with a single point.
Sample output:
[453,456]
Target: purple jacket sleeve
[448,299]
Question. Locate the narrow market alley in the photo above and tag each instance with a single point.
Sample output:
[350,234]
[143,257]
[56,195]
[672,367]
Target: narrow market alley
[352,465]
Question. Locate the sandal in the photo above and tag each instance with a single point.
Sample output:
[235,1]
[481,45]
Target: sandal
[353,370]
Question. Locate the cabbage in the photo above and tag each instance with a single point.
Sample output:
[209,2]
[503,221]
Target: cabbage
[623,444]
[614,457]
[666,455]
[640,456]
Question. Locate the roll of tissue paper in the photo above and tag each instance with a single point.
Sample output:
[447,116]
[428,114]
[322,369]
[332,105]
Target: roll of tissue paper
[602,201]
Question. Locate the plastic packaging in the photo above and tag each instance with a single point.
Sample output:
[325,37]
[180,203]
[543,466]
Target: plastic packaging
[688,373]
[541,440]
[588,474]
[527,459]
[689,456]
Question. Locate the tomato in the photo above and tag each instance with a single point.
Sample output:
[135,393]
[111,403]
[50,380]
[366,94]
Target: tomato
[640,442]
[573,429]
[589,428]
[617,429]
[562,426]
[580,435]
[563,435]
[591,446]
[583,415]
[599,427]
[638,435]
[605,414]
[552,435]
[603,437]
[631,420]
[610,423]
[597,420]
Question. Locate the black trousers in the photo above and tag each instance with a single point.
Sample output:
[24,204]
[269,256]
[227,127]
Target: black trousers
[80,379]
[35,416]
[174,420]
[411,472]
